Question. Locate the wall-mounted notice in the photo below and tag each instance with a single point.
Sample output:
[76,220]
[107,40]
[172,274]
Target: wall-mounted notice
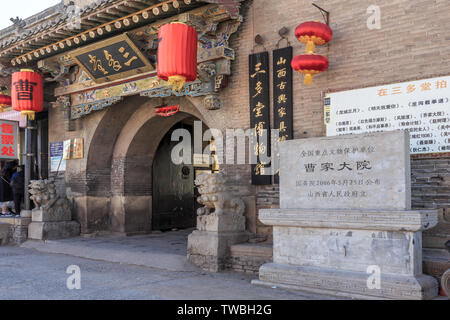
[283,115]
[260,117]
[421,107]
[73,149]
[57,163]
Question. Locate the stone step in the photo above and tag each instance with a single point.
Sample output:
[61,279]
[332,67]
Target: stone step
[13,230]
[7,220]
[249,257]
[15,221]
[263,250]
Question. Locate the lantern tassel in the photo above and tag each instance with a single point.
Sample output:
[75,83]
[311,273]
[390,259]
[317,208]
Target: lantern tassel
[310,47]
[177,82]
[27,113]
[308,79]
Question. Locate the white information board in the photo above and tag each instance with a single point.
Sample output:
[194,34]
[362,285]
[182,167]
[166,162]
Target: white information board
[422,107]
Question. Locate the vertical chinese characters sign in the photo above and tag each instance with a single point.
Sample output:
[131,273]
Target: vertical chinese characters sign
[260,117]
[282,97]
[9,131]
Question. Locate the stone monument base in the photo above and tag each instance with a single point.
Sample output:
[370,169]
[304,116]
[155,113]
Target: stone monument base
[53,230]
[53,221]
[209,250]
[342,252]
[209,246]
[346,283]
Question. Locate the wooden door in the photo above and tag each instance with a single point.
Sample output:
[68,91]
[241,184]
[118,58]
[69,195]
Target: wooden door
[173,190]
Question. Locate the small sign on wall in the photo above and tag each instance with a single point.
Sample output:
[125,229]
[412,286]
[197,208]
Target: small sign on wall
[420,107]
[9,133]
[73,149]
[57,163]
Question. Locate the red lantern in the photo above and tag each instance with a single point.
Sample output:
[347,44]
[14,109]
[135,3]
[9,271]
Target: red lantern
[309,65]
[27,92]
[313,33]
[5,101]
[177,54]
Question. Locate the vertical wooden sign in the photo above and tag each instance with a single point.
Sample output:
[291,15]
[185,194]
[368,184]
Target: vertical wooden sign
[282,99]
[260,117]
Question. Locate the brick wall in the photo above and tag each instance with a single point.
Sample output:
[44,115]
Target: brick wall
[411,44]
[430,183]
[248,258]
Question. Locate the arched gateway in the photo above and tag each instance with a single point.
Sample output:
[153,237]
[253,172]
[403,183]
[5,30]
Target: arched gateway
[127,146]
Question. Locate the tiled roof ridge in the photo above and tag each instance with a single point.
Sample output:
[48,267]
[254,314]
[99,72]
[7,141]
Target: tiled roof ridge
[62,17]
[9,31]
[56,21]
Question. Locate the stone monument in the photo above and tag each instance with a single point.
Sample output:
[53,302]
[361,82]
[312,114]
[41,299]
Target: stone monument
[52,215]
[220,224]
[345,225]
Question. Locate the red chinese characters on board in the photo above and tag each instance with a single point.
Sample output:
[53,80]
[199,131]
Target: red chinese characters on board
[8,140]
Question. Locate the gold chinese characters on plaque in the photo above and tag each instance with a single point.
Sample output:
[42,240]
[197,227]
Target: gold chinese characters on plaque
[112,59]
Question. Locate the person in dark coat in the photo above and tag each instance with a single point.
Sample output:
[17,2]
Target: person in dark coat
[18,188]
[6,195]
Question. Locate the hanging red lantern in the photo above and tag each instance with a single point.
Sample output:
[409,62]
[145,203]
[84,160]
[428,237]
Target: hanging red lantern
[27,92]
[5,101]
[177,54]
[309,65]
[313,33]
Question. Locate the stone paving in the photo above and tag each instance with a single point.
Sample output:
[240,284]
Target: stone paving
[113,267]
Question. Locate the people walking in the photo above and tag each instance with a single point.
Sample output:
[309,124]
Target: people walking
[17,185]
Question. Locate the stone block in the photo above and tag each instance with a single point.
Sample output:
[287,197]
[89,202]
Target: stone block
[381,220]
[259,250]
[20,234]
[53,230]
[347,283]
[214,244]
[331,251]
[22,221]
[209,250]
[221,223]
[347,172]
[26,214]
[45,215]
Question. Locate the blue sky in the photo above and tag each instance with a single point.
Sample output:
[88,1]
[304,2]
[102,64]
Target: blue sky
[22,9]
